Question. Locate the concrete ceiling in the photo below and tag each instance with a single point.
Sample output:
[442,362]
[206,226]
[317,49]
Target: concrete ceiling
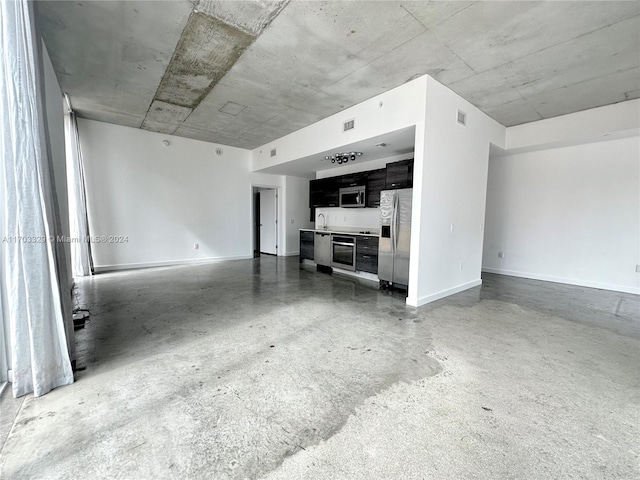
[243,73]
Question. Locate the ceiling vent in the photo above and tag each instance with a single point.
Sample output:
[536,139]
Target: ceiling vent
[273,152]
[349,125]
[462,118]
[232,108]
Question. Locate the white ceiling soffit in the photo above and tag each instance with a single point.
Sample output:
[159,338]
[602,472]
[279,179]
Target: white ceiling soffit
[387,145]
[244,73]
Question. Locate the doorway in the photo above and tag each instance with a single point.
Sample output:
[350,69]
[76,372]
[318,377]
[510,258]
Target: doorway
[265,214]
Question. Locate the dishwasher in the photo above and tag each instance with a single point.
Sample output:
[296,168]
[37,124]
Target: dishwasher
[322,249]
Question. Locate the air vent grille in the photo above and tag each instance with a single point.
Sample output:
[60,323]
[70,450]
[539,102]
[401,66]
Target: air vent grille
[349,125]
[462,118]
[273,152]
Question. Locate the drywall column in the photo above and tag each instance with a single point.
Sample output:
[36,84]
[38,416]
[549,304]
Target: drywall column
[452,182]
[417,276]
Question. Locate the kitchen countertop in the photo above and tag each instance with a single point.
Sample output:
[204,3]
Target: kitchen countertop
[340,231]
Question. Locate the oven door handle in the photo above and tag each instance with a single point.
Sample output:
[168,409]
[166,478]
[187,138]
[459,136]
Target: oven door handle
[345,244]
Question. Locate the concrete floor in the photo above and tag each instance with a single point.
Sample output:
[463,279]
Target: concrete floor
[263,368]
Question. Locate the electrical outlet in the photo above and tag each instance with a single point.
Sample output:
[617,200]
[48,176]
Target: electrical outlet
[637,268]
[452,227]
[291,221]
[196,246]
[461,265]
[500,254]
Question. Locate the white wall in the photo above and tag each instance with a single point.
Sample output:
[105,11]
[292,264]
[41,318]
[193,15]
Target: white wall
[576,128]
[451,184]
[296,212]
[349,219]
[54,109]
[166,199]
[55,123]
[569,215]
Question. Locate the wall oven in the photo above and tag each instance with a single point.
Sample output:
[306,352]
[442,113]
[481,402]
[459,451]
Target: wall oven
[343,252]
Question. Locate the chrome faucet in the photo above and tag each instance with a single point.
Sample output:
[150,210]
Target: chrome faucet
[324,223]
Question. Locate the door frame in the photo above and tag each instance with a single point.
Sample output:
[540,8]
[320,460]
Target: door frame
[255,187]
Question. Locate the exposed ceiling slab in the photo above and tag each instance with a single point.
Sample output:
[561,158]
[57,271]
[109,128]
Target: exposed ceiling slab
[206,51]
[216,35]
[110,56]
[164,117]
[173,66]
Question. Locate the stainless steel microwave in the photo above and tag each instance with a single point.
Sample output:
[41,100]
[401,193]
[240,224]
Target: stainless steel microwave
[353,196]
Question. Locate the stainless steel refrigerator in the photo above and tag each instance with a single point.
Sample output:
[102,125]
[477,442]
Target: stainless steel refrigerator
[395,236]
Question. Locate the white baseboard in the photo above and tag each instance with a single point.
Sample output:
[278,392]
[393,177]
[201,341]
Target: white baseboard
[412,302]
[167,263]
[292,254]
[566,281]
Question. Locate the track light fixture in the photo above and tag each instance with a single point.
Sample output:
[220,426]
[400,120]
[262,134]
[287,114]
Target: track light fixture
[342,158]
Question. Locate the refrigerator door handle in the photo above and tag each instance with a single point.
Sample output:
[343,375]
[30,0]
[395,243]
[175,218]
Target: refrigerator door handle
[394,224]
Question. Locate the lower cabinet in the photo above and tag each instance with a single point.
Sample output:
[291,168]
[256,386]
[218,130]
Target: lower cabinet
[367,254]
[366,250]
[306,245]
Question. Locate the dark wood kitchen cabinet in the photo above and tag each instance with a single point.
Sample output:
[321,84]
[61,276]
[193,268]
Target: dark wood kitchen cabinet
[324,192]
[400,174]
[376,182]
[352,180]
[306,245]
[367,254]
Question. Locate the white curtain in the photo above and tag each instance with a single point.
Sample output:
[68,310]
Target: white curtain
[39,352]
[81,263]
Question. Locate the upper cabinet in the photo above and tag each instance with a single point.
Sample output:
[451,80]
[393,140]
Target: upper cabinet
[352,179]
[376,182]
[400,174]
[324,192]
